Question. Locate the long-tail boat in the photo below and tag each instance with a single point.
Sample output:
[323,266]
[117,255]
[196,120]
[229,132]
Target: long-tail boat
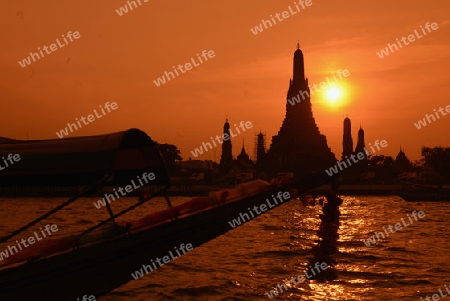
[94,264]
[415,192]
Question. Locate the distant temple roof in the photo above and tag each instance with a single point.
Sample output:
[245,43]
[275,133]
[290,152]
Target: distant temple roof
[402,161]
[243,155]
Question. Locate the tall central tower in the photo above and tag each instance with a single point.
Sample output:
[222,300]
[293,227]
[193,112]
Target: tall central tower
[347,141]
[299,145]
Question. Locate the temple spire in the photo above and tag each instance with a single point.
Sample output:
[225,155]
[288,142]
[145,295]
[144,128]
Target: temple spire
[298,77]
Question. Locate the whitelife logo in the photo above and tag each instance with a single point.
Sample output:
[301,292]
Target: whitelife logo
[411,38]
[11,158]
[282,196]
[423,123]
[397,226]
[284,15]
[323,85]
[124,9]
[360,156]
[225,137]
[166,259]
[27,61]
[86,298]
[11,250]
[90,118]
[162,80]
[296,280]
[102,202]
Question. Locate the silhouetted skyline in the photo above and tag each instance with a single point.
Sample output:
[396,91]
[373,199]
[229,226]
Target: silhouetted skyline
[118,57]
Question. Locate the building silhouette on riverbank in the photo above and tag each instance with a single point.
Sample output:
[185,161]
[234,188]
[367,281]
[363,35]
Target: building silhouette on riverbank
[299,146]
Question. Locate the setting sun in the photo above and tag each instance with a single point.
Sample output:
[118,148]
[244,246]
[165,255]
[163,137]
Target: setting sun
[333,95]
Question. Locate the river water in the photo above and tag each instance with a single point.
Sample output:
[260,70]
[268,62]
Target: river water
[248,261]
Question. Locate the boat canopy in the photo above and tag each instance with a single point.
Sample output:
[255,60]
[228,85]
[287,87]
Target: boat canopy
[81,161]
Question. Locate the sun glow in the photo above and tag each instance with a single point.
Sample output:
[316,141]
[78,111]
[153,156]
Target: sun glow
[334,96]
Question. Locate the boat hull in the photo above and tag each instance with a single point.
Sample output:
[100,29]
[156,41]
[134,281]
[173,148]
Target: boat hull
[98,269]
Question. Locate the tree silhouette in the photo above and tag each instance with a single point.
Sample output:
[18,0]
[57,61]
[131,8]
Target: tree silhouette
[170,154]
[384,168]
[439,158]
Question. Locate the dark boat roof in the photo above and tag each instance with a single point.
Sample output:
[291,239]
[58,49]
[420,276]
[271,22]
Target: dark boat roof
[7,140]
[82,160]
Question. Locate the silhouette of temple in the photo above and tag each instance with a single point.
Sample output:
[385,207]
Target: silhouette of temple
[226,159]
[299,146]
[243,163]
[353,174]
[402,163]
[243,156]
[347,140]
[360,145]
[230,166]
[260,151]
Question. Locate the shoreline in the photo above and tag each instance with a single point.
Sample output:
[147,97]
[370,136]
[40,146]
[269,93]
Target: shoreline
[178,190]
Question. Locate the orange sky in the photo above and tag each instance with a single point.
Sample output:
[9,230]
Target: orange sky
[118,57]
